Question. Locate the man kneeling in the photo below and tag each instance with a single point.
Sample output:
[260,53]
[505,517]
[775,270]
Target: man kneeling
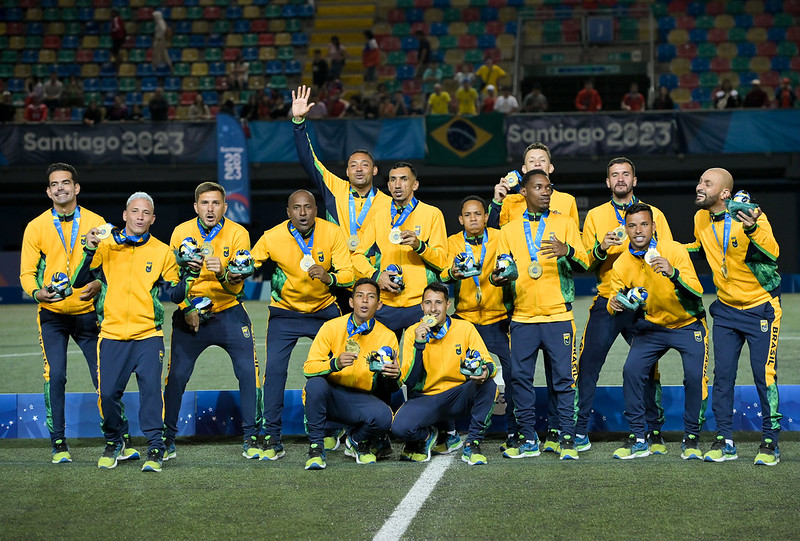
[352,357]
[448,372]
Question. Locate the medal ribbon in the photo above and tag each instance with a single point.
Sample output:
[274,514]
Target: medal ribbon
[534,245]
[726,235]
[441,332]
[121,237]
[352,330]
[620,218]
[208,237]
[640,253]
[397,221]
[306,248]
[355,224]
[477,278]
[76,224]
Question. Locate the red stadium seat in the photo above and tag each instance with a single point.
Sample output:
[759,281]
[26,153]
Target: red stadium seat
[720,64]
[685,21]
[212,13]
[469,15]
[259,25]
[766,48]
[396,16]
[715,7]
[187,98]
[144,14]
[266,40]
[687,50]
[717,35]
[689,80]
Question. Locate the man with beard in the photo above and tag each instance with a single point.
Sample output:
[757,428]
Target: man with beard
[743,255]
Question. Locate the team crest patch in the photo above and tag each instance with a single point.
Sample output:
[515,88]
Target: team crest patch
[149,266]
[735,242]
[698,336]
[320,257]
[458,349]
[161,356]
[83,240]
[567,338]
[418,230]
[246,332]
[226,251]
[764,325]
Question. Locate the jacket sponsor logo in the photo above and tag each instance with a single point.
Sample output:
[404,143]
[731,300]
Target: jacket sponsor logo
[735,242]
[458,349]
[320,257]
[698,336]
[764,325]
[149,266]
[567,338]
[226,251]
[246,332]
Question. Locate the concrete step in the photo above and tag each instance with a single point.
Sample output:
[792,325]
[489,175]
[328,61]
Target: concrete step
[359,23]
[340,10]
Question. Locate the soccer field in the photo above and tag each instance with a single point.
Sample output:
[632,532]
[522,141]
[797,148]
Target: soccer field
[210,492]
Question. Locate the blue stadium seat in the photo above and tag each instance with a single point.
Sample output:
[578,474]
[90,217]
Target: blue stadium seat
[701,94]
[773,6]
[414,15]
[696,8]
[438,55]
[30,56]
[233,12]
[700,65]
[210,97]
[746,78]
[197,41]
[215,41]
[91,28]
[183,27]
[444,4]
[743,20]
[77,114]
[216,69]
[241,26]
[49,3]
[274,67]
[15,85]
[163,70]
[776,34]
[250,54]
[133,98]
[35,29]
[109,84]
[665,24]
[102,55]
[65,70]
[409,43]
[85,14]
[487,41]
[91,84]
[511,27]
[172,84]
[563,11]
[70,42]
[666,52]
[669,80]
[438,29]
[781,63]
[698,35]
[143,42]
[108,70]
[289,11]
[292,67]
[305,11]
[746,48]
[149,84]
[405,72]
[13,14]
[299,39]
[489,14]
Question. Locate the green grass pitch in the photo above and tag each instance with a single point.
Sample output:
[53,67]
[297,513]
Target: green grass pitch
[210,492]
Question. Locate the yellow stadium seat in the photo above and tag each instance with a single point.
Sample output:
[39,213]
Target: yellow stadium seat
[644,32]
[256,82]
[454,56]
[434,41]
[190,55]
[102,14]
[200,27]
[507,53]
[382,29]
[182,112]
[251,12]
[90,42]
[760,64]
[16,42]
[757,35]
[127,70]
[283,39]
[200,69]
[47,56]
[233,40]
[33,14]
[725,21]
[458,28]
[178,13]
[189,84]
[90,70]
[681,95]
[754,7]
[680,66]
[22,71]
[507,14]
[532,33]
[732,76]
[55,29]
[727,50]
[678,36]
[67,3]
[267,53]
[433,15]
[206,2]
[505,41]
[277,25]
[460,3]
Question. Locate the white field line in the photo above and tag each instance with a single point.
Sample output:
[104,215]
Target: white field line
[406,510]
[72,351]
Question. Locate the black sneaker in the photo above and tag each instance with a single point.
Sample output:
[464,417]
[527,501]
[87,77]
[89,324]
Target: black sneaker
[155,459]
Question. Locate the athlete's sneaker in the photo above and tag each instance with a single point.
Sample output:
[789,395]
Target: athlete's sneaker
[333,440]
[425,446]
[690,448]
[170,452]
[582,443]
[510,441]
[250,448]
[359,450]
[447,443]
[721,451]
[472,455]
[656,442]
[566,448]
[381,448]
[61,452]
[155,459]
[128,452]
[768,454]
[551,443]
[316,457]
[273,449]
[523,448]
[632,449]
[409,449]
[110,455]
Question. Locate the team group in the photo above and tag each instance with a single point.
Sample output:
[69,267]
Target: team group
[387,258]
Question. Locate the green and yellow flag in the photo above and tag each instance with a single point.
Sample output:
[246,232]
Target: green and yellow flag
[470,141]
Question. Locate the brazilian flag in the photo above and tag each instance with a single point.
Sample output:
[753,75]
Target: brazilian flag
[474,141]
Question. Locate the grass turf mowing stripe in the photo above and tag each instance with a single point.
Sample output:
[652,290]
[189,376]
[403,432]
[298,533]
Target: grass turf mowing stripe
[407,509]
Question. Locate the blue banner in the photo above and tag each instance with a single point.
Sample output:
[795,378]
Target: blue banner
[333,140]
[108,144]
[740,132]
[233,169]
[587,134]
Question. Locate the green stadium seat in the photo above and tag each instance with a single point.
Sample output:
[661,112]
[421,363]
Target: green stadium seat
[737,35]
[9,57]
[286,53]
[401,29]
[249,40]
[147,28]
[448,42]
[704,22]
[6,71]
[476,28]
[127,84]
[734,7]
[294,25]
[256,67]
[783,19]
[180,41]
[206,83]
[740,63]
[181,69]
[707,50]
[65,56]
[137,55]
[51,14]
[213,54]
[105,42]
[787,48]
[73,28]
[473,56]
[660,9]
[277,81]
[273,11]
[194,13]
[222,26]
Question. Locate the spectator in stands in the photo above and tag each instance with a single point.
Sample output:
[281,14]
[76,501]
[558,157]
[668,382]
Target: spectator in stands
[264,107]
[727,97]
[633,100]
[136,113]
[756,98]
[73,93]
[371,57]
[371,109]
[417,106]
[250,109]
[489,73]
[663,101]
[354,108]
[159,106]
[335,86]
[380,92]
[34,88]
[433,75]
[464,73]
[118,110]
[199,110]
[424,53]
[336,105]
[160,53]
[784,95]
[467,98]
[401,103]
[52,90]
[7,110]
[489,100]
[588,99]
[228,108]
[118,35]
[280,109]
[320,108]
[319,70]
[386,108]
[36,111]
[338,56]
[92,115]
[535,101]
[506,103]
[239,70]
[438,101]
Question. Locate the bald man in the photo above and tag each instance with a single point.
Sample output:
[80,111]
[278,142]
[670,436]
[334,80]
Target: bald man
[743,255]
[310,256]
